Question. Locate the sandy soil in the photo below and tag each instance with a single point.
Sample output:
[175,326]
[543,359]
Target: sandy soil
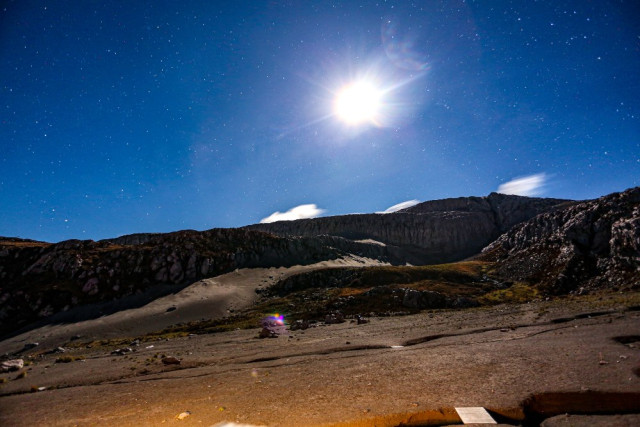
[206,299]
[409,370]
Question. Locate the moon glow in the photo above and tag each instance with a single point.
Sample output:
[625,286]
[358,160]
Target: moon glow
[358,103]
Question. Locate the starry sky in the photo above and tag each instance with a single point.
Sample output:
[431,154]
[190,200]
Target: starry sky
[119,117]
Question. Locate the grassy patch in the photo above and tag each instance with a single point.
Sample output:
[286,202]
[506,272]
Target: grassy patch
[349,292]
[113,342]
[242,321]
[460,272]
[68,359]
[517,293]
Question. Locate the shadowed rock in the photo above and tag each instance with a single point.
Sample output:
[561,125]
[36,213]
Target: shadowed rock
[430,232]
[590,245]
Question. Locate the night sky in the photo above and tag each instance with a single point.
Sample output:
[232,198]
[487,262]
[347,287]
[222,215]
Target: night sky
[119,117]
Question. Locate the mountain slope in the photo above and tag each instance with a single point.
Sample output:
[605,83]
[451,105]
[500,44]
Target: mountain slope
[590,245]
[39,279]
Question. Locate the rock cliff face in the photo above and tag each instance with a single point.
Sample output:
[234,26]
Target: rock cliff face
[437,231]
[590,245]
[39,279]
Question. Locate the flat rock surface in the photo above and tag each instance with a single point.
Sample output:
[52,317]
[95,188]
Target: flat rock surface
[389,371]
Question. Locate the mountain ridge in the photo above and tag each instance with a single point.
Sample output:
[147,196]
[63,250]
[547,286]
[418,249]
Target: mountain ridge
[438,231]
[39,279]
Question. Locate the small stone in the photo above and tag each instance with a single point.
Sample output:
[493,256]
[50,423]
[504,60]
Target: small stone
[170,360]
[183,415]
[299,324]
[267,333]
[30,345]
[11,365]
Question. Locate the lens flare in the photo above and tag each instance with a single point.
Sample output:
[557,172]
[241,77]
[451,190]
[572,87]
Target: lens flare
[278,319]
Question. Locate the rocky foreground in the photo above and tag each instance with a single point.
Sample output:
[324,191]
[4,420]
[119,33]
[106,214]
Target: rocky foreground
[525,363]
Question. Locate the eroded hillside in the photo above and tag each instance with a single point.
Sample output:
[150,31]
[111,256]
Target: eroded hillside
[588,246]
[436,232]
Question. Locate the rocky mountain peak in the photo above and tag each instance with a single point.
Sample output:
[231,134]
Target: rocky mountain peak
[588,245]
[436,231]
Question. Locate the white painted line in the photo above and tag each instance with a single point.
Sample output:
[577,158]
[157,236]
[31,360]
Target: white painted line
[475,415]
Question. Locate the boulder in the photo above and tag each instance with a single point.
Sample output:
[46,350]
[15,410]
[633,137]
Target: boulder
[361,320]
[412,299]
[423,299]
[175,273]
[170,360]
[333,318]
[299,324]
[29,346]
[267,333]
[11,365]
[91,286]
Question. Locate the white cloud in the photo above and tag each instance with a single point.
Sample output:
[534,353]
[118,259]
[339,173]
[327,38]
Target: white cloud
[400,206]
[531,185]
[299,212]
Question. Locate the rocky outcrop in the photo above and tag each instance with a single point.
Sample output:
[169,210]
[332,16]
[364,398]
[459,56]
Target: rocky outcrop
[587,246]
[437,231]
[423,299]
[38,279]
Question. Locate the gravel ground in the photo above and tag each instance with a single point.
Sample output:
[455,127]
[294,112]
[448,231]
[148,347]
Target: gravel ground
[410,370]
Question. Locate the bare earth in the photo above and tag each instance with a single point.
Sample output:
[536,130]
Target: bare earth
[409,370]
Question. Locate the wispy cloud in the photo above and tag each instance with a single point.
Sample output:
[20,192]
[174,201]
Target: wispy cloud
[299,212]
[400,206]
[531,185]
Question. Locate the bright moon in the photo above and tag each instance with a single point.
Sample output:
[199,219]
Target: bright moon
[358,103]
